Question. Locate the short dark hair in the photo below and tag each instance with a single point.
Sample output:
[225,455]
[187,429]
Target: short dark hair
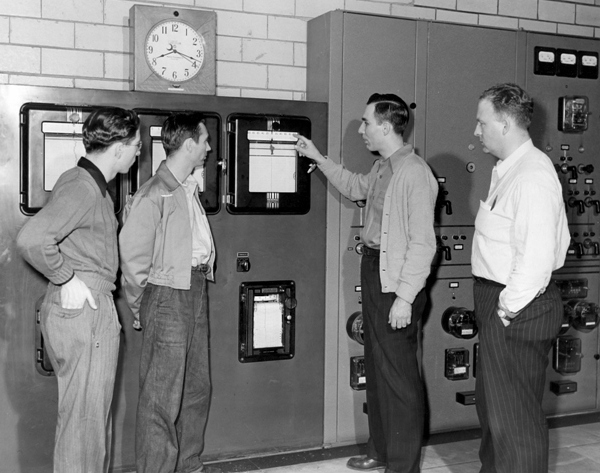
[178,127]
[390,108]
[510,99]
[108,125]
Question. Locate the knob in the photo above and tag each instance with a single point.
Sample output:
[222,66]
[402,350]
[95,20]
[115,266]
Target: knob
[573,202]
[589,202]
[585,168]
[354,327]
[584,315]
[459,322]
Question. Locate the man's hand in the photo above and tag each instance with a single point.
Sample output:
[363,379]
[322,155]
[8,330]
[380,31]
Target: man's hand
[306,147]
[506,316]
[400,314]
[74,293]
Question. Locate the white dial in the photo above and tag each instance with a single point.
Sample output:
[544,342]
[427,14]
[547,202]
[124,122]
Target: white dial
[174,51]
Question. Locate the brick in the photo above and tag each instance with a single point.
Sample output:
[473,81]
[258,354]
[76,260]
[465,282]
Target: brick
[235,5]
[447,4]
[478,6]
[102,37]
[499,22]
[288,78]
[72,63]
[229,48]
[3,78]
[588,2]
[102,84]
[518,8]
[555,11]
[44,81]
[29,8]
[42,32]
[270,7]
[229,92]
[117,12]
[90,11]
[267,94]
[457,17]
[242,75]
[369,7]
[242,24]
[574,30]
[118,66]
[287,29]
[541,26]
[4,29]
[300,53]
[585,15]
[413,12]
[24,59]
[267,52]
[312,9]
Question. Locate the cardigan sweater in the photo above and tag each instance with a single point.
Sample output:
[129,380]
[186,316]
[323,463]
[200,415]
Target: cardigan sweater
[408,242]
[76,231]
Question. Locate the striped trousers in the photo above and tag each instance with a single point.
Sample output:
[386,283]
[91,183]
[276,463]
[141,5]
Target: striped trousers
[511,374]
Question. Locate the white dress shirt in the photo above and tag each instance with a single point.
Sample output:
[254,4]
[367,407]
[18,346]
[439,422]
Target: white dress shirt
[521,231]
[201,243]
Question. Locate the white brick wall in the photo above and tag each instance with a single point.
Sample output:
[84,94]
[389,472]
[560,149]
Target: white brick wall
[261,44]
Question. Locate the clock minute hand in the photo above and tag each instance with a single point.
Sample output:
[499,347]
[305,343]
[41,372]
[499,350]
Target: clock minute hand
[189,58]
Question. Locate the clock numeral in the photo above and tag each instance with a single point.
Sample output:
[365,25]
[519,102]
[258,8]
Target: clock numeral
[155,38]
[174,27]
[150,49]
[154,61]
[186,73]
[198,53]
[174,74]
[195,65]
[164,69]
[195,43]
[164,29]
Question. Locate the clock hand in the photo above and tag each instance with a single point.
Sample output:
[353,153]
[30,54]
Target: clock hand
[189,58]
[165,54]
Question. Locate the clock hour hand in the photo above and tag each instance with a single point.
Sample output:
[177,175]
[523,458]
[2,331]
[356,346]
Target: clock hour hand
[165,54]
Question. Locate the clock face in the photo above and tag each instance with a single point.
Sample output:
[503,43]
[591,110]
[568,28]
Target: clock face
[175,51]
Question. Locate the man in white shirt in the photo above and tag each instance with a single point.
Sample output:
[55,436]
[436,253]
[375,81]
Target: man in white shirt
[521,237]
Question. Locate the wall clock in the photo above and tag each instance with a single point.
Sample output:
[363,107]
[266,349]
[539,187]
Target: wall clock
[174,49]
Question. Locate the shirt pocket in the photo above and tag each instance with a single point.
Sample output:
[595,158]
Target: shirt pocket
[491,223]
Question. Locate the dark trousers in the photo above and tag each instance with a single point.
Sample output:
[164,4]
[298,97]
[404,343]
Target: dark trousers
[395,395]
[174,378]
[510,381]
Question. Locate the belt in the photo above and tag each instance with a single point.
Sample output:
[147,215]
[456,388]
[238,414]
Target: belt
[369,251]
[489,282]
[204,268]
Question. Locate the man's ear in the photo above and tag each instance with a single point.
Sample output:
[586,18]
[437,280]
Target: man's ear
[386,127]
[188,144]
[506,125]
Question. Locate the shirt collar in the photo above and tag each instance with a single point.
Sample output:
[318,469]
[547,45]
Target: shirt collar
[505,165]
[95,173]
[398,156]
